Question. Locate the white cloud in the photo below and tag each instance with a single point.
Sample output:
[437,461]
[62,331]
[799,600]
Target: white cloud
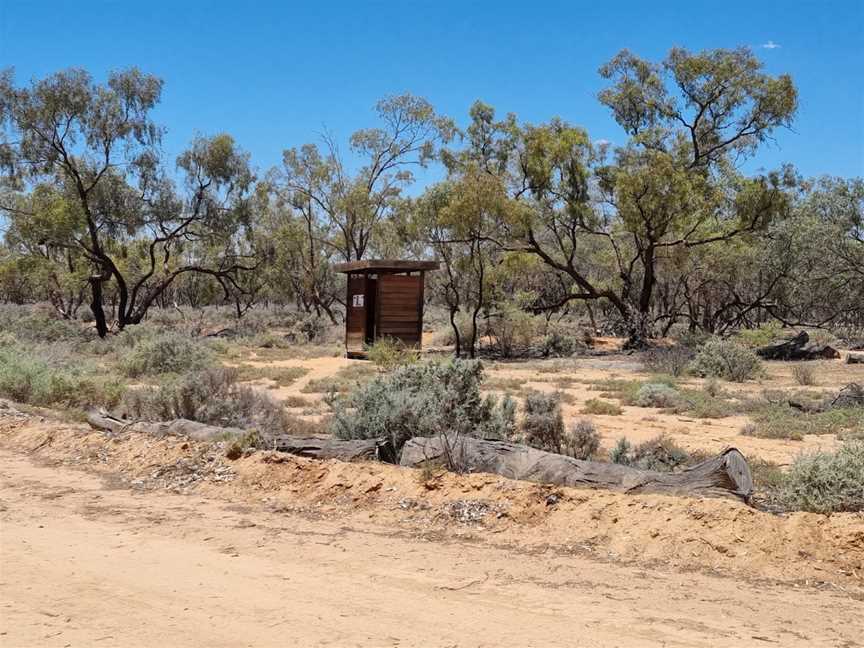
[770,45]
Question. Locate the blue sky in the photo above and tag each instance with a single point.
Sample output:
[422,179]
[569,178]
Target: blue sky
[273,74]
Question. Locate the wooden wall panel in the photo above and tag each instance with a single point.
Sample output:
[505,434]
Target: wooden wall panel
[400,308]
[355,317]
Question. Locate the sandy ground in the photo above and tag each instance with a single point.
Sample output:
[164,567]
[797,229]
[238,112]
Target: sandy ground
[88,564]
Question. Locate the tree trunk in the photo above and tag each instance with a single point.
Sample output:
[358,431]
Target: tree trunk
[96,307]
[726,475]
[797,348]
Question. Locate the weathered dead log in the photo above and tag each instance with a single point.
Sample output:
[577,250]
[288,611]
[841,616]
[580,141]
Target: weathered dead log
[726,475]
[329,448]
[314,447]
[855,358]
[102,420]
[797,348]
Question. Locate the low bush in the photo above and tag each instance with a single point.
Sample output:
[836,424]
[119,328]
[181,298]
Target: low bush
[721,358]
[36,378]
[597,406]
[657,395]
[672,360]
[512,330]
[759,337]
[826,482]
[581,441]
[423,399]
[660,454]
[37,325]
[165,353]
[542,425]
[620,454]
[389,353]
[214,396]
[779,421]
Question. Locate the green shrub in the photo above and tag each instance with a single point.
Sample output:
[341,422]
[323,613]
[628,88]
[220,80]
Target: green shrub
[36,325]
[657,395]
[165,353]
[389,353]
[620,454]
[423,399]
[658,454]
[779,421]
[542,424]
[214,396]
[28,377]
[511,330]
[726,359]
[826,482]
[582,441]
[762,336]
[597,406]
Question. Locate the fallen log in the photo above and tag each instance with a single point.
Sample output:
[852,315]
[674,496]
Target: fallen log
[855,358]
[102,420]
[726,475]
[329,448]
[314,447]
[797,348]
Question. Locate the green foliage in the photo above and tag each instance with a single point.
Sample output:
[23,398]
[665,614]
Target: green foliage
[424,399]
[759,337]
[389,353]
[660,454]
[165,353]
[542,425]
[597,406]
[826,482]
[620,454]
[581,441]
[657,395]
[726,359]
[779,421]
[44,379]
[214,396]
[34,325]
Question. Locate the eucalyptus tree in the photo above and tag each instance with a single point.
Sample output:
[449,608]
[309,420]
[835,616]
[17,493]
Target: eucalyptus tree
[352,207]
[97,145]
[607,219]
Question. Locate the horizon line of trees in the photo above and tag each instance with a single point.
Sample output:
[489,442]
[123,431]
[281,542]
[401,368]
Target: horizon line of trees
[663,230]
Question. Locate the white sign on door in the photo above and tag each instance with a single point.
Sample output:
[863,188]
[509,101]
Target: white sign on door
[357,301]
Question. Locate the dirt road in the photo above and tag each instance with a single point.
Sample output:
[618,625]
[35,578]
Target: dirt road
[88,564]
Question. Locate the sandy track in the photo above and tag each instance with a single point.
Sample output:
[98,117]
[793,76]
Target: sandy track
[85,564]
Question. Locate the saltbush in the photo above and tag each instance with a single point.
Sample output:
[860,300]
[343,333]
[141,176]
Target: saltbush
[657,395]
[826,482]
[214,396]
[28,376]
[165,353]
[726,359]
[422,400]
[388,353]
[582,441]
[542,424]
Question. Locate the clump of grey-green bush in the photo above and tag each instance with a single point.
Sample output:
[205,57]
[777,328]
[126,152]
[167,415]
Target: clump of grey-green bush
[214,396]
[660,454]
[657,395]
[49,376]
[163,353]
[423,400]
[726,359]
[826,482]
